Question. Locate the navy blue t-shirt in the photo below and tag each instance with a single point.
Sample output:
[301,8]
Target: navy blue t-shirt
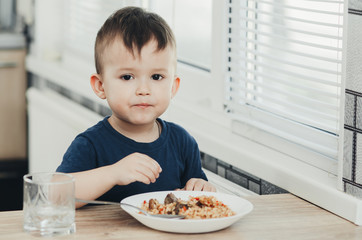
[175,150]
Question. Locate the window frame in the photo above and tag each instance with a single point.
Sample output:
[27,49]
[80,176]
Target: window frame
[319,183]
[212,98]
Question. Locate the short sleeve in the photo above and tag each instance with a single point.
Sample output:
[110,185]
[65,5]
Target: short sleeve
[193,168]
[80,156]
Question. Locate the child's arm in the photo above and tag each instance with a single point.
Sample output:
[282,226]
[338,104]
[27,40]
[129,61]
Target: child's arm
[199,184]
[93,183]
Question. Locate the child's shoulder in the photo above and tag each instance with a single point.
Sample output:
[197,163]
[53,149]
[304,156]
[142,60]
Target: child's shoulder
[96,129]
[172,127]
[176,130]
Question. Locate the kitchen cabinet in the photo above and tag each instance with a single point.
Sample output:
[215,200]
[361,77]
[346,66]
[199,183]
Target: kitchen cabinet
[13,84]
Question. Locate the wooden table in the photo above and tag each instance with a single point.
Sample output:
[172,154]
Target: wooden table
[282,216]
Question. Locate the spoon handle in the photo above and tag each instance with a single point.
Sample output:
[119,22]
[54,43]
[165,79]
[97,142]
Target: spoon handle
[97,202]
[110,203]
[169,216]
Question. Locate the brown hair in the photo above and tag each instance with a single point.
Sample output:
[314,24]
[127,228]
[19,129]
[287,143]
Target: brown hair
[135,27]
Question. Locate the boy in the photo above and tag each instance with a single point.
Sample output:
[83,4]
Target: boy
[133,151]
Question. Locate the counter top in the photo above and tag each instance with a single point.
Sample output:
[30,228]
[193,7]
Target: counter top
[9,40]
[282,216]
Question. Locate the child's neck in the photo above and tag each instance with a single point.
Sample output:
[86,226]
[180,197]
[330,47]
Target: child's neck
[139,133]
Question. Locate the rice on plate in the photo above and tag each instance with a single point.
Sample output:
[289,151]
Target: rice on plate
[199,207]
[236,204]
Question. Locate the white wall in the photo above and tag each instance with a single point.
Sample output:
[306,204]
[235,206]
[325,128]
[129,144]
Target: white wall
[54,122]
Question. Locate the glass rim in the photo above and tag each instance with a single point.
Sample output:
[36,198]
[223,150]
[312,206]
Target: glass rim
[27,179]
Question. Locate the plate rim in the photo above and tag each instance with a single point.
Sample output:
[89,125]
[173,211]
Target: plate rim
[226,221]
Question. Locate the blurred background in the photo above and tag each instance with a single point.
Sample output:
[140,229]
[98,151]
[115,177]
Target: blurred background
[13,119]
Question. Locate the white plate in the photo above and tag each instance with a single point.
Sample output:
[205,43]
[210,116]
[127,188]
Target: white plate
[240,206]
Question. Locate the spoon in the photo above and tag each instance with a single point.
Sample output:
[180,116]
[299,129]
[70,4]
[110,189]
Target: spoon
[168,216]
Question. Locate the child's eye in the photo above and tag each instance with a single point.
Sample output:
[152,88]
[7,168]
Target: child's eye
[156,77]
[126,77]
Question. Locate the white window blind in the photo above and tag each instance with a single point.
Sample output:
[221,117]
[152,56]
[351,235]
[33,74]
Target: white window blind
[83,19]
[284,63]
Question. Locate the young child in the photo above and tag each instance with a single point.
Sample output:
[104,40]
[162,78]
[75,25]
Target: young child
[133,151]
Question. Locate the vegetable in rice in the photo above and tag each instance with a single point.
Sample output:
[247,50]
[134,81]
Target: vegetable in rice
[200,207]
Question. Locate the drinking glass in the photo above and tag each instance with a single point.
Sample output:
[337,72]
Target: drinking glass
[49,204]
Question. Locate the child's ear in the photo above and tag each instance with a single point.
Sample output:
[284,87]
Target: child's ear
[175,86]
[97,85]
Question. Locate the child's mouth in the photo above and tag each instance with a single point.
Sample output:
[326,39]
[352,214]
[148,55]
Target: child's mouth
[143,105]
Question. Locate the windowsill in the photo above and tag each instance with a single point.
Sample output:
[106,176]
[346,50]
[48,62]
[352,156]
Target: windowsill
[76,78]
[303,180]
[215,138]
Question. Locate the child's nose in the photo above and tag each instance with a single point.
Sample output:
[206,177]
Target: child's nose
[143,88]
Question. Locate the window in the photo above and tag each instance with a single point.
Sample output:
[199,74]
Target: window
[274,66]
[191,23]
[284,71]
[83,19]
[191,26]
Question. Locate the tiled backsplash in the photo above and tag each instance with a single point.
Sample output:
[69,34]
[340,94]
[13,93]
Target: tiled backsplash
[352,151]
[239,176]
[41,83]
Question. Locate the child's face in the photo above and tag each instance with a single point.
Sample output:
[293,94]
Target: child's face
[138,87]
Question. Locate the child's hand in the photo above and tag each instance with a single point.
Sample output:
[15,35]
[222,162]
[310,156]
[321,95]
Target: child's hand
[135,167]
[198,184]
